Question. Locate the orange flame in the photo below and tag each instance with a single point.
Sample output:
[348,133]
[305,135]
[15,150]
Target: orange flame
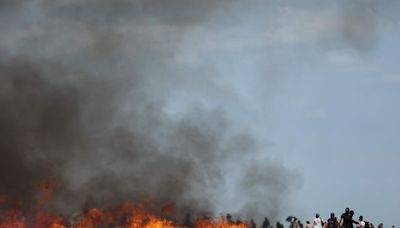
[126,216]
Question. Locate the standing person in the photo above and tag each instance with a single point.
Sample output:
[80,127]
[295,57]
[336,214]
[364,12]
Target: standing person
[266,223]
[229,219]
[332,222]
[348,220]
[308,225]
[361,223]
[188,221]
[294,222]
[318,223]
[253,224]
[346,212]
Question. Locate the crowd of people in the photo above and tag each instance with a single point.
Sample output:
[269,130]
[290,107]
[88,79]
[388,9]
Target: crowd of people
[346,220]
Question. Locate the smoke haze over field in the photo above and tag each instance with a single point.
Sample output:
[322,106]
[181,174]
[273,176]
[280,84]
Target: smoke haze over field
[249,107]
[86,94]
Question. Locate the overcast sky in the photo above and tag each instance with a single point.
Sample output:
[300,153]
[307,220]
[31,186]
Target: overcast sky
[316,82]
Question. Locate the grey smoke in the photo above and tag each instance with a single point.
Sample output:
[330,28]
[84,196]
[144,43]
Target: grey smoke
[85,87]
[359,24]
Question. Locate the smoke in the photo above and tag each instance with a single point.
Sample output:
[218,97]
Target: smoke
[86,89]
[359,24]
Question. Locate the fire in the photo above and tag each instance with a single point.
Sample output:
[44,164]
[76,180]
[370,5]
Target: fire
[126,216]
[221,223]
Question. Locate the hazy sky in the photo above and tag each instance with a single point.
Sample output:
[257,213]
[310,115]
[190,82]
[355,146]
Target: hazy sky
[317,83]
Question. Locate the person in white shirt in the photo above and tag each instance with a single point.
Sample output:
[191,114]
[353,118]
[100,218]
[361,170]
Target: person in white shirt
[361,223]
[318,222]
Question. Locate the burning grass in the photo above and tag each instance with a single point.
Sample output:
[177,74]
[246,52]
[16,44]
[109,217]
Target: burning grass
[128,215]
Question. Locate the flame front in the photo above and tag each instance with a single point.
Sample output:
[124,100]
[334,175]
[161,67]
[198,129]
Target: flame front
[136,217]
[126,216]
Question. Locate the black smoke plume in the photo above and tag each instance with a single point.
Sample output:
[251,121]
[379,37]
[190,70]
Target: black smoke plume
[84,91]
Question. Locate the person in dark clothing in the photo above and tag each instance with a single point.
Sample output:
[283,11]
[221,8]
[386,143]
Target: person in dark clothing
[332,222]
[348,220]
[252,224]
[346,212]
[266,223]
[229,219]
[188,221]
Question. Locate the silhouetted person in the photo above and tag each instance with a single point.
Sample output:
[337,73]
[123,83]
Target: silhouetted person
[279,225]
[346,212]
[229,219]
[348,220]
[252,224]
[266,223]
[332,221]
[188,221]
